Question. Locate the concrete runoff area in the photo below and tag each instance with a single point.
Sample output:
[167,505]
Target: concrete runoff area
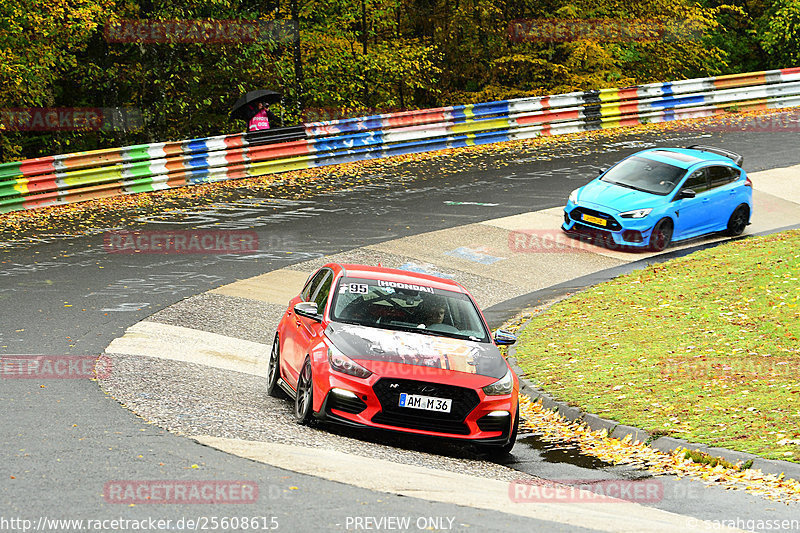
[177,343]
[276,287]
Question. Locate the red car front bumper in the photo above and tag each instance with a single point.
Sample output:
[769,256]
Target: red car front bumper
[374,403]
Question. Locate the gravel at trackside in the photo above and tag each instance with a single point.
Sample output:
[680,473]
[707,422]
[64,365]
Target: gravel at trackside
[241,318]
[194,400]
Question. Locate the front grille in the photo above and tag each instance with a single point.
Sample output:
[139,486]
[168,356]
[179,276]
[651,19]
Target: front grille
[342,403]
[388,392]
[611,222]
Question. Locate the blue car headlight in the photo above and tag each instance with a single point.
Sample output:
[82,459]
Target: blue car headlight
[636,213]
[573,196]
[500,387]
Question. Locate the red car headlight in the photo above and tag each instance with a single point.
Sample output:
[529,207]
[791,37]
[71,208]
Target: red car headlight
[341,363]
[500,387]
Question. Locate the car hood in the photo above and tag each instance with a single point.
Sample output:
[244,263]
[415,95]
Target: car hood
[375,347]
[615,197]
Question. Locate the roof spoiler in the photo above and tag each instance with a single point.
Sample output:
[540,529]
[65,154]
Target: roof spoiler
[736,158]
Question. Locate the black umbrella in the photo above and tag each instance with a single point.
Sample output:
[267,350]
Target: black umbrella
[241,109]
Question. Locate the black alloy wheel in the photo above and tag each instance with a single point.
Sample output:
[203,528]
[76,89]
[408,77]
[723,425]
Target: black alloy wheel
[661,235]
[274,370]
[738,221]
[304,399]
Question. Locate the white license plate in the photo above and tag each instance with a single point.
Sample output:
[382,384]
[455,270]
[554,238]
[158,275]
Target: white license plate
[428,403]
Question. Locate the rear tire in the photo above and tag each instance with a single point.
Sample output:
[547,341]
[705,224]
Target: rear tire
[274,370]
[738,221]
[304,399]
[661,235]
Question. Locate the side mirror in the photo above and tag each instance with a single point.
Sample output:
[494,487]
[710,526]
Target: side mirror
[601,170]
[308,310]
[504,338]
[686,193]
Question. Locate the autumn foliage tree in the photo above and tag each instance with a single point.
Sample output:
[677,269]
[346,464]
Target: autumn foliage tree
[357,57]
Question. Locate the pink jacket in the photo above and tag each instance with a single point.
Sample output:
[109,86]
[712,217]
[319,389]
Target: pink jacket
[259,122]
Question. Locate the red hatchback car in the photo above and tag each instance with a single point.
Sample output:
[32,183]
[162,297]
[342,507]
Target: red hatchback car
[395,350]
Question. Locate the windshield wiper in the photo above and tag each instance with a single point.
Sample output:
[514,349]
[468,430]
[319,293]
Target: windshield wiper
[635,188]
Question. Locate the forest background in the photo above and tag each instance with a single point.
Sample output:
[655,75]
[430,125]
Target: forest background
[354,58]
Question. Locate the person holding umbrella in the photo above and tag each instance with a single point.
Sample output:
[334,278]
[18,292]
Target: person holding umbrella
[253,108]
[262,117]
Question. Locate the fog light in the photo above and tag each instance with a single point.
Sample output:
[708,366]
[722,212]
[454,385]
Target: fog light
[344,393]
[495,421]
[632,235]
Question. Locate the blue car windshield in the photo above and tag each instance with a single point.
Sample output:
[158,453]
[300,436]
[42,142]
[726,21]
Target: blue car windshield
[644,175]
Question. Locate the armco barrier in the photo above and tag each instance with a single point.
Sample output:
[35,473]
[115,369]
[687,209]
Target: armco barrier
[69,178]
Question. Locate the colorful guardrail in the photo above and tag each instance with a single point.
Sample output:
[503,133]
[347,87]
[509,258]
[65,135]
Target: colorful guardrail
[69,178]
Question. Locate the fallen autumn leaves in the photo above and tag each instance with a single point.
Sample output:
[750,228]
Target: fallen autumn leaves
[552,427]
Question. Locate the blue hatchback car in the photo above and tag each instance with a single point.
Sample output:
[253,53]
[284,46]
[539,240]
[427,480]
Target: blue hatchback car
[657,196]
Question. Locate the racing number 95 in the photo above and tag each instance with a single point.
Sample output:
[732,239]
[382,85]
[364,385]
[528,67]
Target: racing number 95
[355,288]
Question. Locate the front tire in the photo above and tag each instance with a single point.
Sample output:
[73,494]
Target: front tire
[274,370]
[738,221]
[304,399]
[512,439]
[661,235]
[498,452]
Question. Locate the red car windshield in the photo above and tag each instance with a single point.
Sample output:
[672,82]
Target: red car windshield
[407,307]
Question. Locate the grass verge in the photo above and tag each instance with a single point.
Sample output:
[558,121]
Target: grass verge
[703,347]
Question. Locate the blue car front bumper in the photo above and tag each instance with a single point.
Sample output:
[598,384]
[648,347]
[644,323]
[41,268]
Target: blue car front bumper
[583,221]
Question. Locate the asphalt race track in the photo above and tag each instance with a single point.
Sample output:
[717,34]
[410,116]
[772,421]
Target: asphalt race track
[64,440]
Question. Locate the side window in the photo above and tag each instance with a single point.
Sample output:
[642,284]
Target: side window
[721,175]
[312,284]
[324,289]
[697,181]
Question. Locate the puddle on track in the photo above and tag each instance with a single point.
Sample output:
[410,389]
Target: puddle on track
[553,452]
